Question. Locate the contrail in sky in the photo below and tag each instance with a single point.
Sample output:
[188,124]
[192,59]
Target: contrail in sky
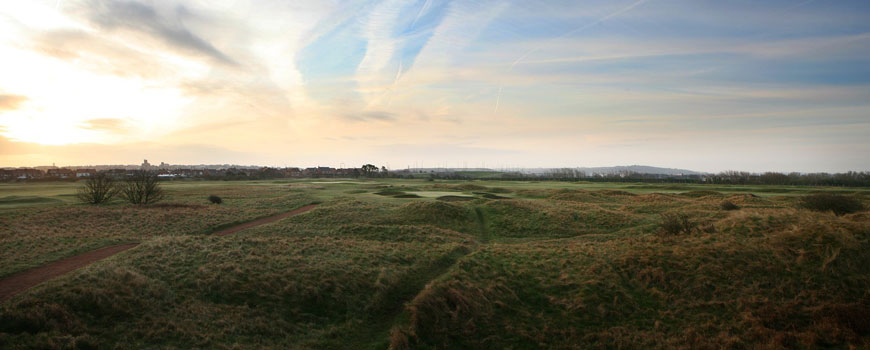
[399,72]
[571,32]
[422,9]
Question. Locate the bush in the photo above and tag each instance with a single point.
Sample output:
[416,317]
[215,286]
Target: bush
[728,205]
[215,199]
[142,188]
[836,203]
[99,188]
[676,224]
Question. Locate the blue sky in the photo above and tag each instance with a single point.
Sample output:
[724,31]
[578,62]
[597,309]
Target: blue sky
[705,85]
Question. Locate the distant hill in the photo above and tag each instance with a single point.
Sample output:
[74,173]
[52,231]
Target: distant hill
[642,169]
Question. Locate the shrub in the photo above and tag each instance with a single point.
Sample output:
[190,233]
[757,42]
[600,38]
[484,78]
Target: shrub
[728,205]
[676,224]
[836,203]
[99,188]
[215,199]
[142,188]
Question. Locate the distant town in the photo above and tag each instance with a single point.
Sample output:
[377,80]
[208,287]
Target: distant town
[631,173]
[169,171]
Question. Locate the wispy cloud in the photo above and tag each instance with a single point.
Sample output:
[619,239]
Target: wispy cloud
[111,125]
[11,102]
[165,24]
[99,54]
[370,116]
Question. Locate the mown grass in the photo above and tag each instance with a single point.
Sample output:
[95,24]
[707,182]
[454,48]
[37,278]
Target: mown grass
[544,265]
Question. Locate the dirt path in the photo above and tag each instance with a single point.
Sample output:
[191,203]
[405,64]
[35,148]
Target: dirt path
[376,333]
[12,285]
[265,220]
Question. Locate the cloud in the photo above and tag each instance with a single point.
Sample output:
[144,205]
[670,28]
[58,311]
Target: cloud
[33,154]
[372,115]
[112,125]
[11,102]
[98,54]
[167,26]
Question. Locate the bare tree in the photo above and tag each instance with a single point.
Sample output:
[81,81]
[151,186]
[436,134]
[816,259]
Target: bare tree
[98,188]
[142,188]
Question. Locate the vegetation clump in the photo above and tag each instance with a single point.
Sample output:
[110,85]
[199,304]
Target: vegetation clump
[676,224]
[97,189]
[215,199]
[838,204]
[729,205]
[142,188]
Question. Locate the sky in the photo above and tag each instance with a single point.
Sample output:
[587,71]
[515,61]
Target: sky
[706,85]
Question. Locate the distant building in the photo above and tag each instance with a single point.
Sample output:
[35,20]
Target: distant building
[85,172]
[27,173]
[292,172]
[146,165]
[61,173]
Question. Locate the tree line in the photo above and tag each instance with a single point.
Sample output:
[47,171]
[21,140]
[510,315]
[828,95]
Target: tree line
[848,179]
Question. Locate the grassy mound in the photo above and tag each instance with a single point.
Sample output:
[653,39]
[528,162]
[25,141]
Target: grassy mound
[391,191]
[749,200]
[702,291]
[525,219]
[14,201]
[374,232]
[698,194]
[490,195]
[455,198]
[466,187]
[437,213]
[576,196]
[837,204]
[616,193]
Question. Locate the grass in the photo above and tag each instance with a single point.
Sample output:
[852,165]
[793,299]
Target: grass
[783,288]
[33,236]
[534,265]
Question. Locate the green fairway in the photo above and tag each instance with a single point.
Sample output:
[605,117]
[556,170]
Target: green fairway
[390,263]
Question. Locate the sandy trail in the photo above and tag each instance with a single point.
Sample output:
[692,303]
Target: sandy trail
[265,220]
[17,283]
